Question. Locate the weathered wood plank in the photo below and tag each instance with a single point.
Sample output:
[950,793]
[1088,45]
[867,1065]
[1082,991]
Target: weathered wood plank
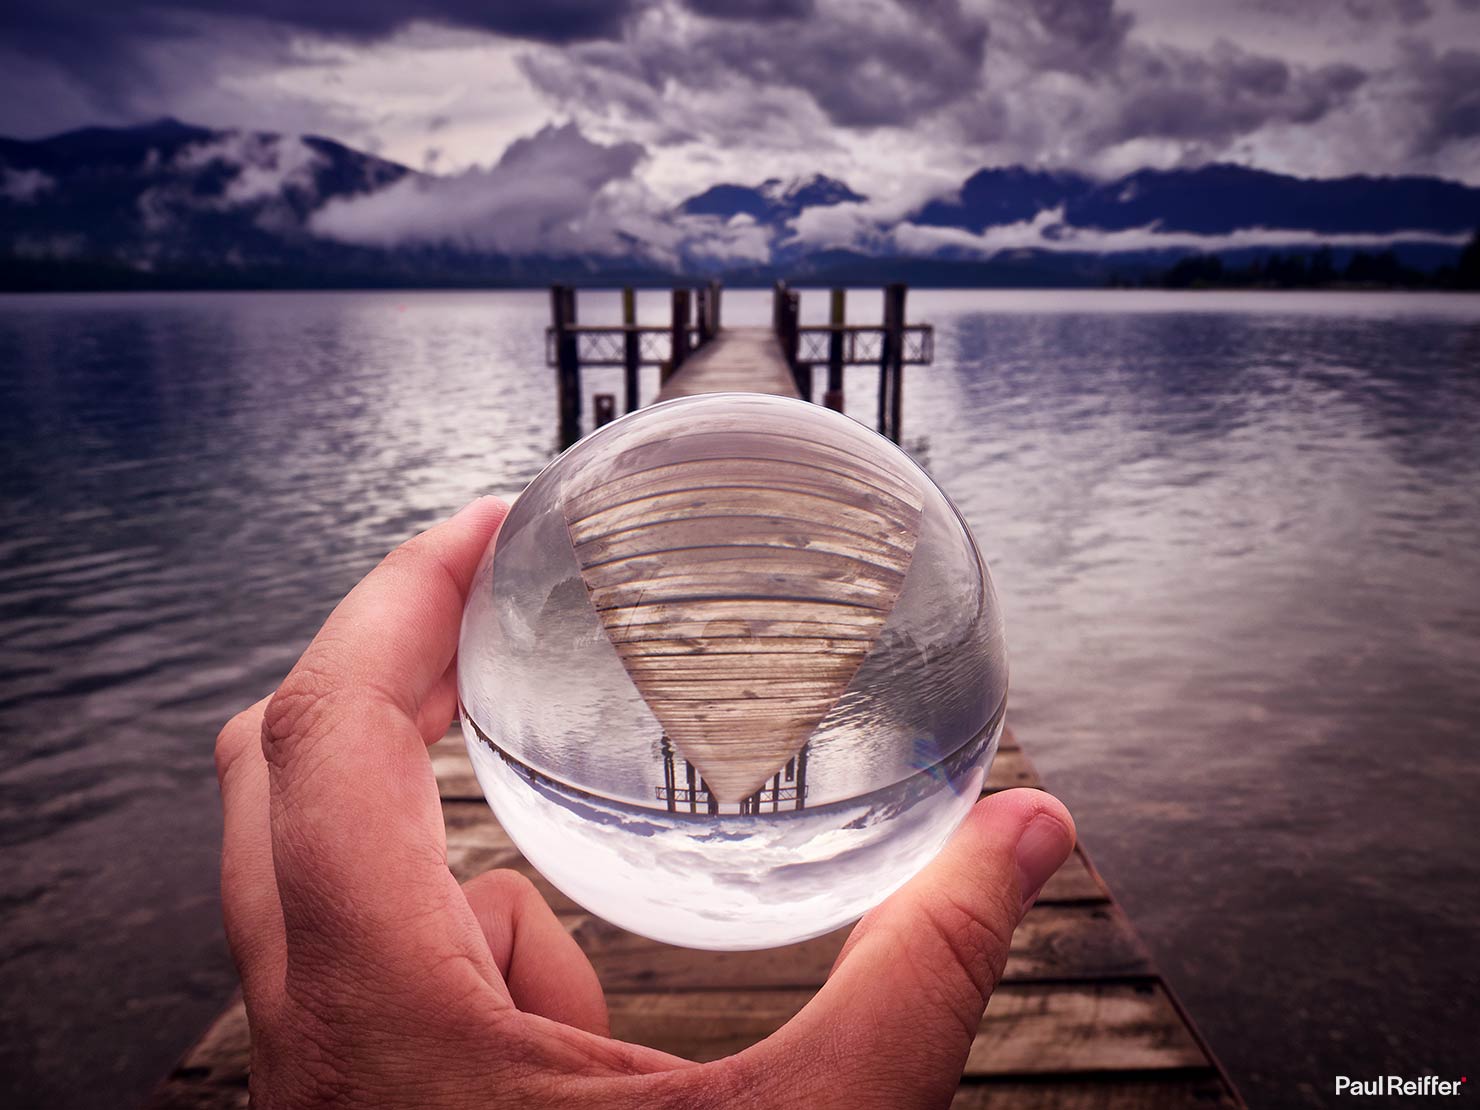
[1179,1091]
[1029,1029]
[724,459]
[1067,941]
[801,508]
[1011,768]
[737,359]
[213,1074]
[1033,1029]
[729,464]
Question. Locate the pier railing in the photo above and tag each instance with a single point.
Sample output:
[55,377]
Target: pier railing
[630,345]
[891,345]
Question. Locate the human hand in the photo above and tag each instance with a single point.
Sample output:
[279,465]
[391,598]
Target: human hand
[372,978]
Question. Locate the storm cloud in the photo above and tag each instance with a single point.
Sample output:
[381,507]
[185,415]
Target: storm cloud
[901,98]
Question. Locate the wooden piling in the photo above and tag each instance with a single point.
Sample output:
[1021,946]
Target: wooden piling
[701,313]
[568,366]
[891,362]
[631,351]
[894,294]
[716,288]
[605,405]
[804,380]
[792,342]
[838,318]
[680,329]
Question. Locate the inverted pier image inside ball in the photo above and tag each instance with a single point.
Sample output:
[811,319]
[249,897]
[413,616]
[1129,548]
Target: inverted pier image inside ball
[732,671]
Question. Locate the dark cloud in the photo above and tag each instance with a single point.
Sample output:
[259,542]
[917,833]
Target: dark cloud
[753,9]
[1445,88]
[1210,98]
[50,22]
[125,58]
[863,64]
[1050,81]
[1407,12]
[1078,83]
[1076,36]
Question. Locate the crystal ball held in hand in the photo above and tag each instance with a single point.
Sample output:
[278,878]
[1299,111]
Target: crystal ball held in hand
[732,671]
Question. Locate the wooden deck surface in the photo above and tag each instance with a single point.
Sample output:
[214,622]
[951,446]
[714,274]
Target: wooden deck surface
[1081,1020]
[737,360]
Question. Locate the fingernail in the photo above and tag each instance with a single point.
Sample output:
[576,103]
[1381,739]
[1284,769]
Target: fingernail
[1041,851]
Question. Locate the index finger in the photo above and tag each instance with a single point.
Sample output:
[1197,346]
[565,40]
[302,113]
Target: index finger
[357,831]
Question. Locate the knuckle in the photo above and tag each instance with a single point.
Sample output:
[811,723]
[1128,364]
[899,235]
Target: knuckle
[233,741]
[976,934]
[297,713]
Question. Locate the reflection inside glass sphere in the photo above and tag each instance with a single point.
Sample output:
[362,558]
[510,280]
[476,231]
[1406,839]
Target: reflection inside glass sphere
[732,671]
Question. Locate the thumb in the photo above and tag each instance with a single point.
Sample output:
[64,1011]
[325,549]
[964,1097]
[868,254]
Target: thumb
[905,998]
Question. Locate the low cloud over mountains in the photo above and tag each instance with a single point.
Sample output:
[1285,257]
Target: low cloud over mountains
[169,201]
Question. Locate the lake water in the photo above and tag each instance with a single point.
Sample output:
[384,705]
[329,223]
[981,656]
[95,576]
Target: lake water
[1237,538]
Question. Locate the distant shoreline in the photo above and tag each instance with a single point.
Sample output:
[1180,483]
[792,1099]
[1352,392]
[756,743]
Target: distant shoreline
[1320,269]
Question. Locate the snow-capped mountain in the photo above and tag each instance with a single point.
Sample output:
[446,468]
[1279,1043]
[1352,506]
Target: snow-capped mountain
[773,202]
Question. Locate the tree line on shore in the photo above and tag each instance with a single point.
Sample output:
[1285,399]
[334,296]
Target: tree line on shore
[1318,270]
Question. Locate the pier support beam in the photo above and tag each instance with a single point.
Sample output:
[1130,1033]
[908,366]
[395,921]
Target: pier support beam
[701,313]
[631,351]
[838,318]
[567,363]
[891,362]
[680,333]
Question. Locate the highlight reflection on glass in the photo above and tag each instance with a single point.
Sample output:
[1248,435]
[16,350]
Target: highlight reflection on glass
[732,671]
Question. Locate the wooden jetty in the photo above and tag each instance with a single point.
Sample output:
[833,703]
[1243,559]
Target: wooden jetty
[780,360]
[1081,1019]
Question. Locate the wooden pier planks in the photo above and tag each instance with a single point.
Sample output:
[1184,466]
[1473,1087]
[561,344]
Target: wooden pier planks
[737,360]
[1081,1018]
[803,523]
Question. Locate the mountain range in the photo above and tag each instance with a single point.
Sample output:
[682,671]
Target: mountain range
[168,204]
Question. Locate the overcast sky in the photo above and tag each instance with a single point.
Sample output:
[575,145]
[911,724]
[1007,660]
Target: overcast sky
[900,99]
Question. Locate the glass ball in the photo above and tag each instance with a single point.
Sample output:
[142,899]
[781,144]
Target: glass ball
[732,671]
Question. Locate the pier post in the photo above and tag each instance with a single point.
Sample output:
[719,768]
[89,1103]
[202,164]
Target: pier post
[715,289]
[605,405]
[803,376]
[793,326]
[891,361]
[701,313]
[680,340]
[838,317]
[567,361]
[631,350]
[896,292]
